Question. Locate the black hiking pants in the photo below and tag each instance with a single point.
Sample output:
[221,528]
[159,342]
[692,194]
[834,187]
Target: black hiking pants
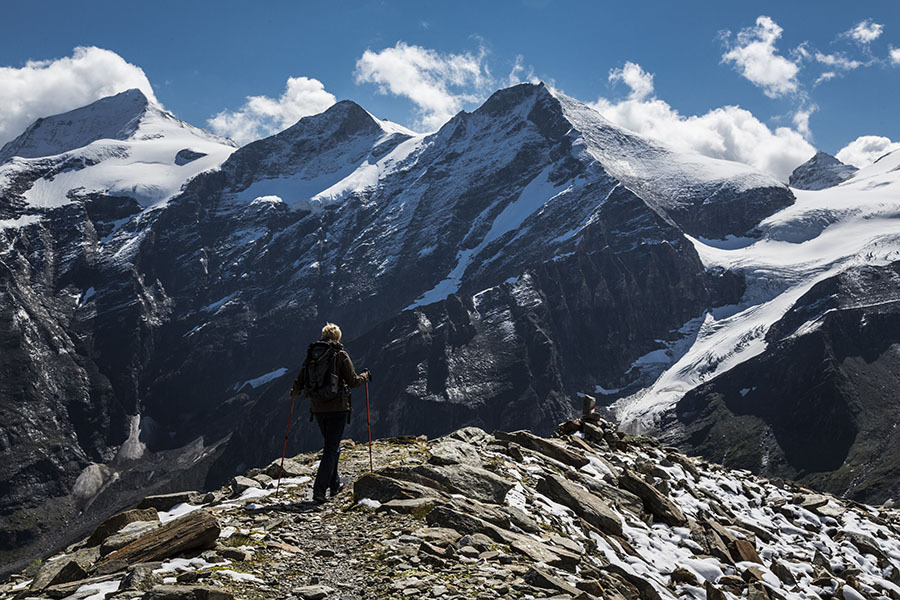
[331,424]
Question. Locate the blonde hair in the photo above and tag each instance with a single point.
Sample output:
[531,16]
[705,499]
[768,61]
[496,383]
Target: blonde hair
[331,333]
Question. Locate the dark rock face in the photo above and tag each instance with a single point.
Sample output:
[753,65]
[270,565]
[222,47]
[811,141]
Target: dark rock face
[487,274]
[820,172]
[819,405]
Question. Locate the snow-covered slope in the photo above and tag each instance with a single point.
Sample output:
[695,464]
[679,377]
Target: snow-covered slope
[123,146]
[825,232]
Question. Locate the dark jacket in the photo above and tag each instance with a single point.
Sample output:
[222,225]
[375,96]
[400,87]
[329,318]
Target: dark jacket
[348,376]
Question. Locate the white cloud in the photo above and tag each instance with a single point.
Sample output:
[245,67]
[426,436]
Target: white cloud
[826,76]
[438,84]
[865,32]
[801,120]
[636,78]
[838,61]
[48,87]
[866,149]
[754,56]
[261,116]
[518,69]
[895,56]
[729,132]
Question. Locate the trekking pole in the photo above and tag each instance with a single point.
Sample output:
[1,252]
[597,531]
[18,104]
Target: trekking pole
[369,425]
[284,449]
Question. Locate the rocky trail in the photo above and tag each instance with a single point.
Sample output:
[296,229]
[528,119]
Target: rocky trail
[589,513]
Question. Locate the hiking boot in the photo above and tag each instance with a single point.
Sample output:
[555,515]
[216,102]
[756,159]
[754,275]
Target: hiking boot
[319,498]
[337,490]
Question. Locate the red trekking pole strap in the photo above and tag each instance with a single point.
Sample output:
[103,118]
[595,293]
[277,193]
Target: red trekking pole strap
[369,425]
[284,449]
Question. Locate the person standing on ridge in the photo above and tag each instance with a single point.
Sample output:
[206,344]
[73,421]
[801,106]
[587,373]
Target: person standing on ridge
[326,377]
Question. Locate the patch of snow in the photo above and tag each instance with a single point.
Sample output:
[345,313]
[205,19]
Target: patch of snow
[368,502]
[97,591]
[20,222]
[262,379]
[535,195]
[179,510]
[236,576]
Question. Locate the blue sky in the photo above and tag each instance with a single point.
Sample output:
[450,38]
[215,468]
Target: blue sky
[204,59]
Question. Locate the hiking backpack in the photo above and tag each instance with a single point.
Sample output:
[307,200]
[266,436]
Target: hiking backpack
[319,372]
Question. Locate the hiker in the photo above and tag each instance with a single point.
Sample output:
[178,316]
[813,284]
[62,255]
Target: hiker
[326,376]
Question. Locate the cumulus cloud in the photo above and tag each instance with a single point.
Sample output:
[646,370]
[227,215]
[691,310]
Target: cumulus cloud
[261,116]
[636,78]
[866,149]
[754,55]
[438,84]
[729,132]
[48,87]
[865,32]
[895,56]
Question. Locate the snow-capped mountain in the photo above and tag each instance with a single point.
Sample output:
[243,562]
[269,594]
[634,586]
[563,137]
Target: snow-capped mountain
[820,172]
[487,274]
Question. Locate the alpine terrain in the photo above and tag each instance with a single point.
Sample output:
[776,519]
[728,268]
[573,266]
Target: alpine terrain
[590,513]
[159,286]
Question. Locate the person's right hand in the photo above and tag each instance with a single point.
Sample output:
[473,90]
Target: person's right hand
[368,375]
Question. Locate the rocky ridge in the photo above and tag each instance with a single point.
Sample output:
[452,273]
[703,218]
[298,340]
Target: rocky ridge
[589,513]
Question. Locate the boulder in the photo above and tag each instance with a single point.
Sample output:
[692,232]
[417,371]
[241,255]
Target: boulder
[141,577]
[548,448]
[743,551]
[117,522]
[293,467]
[542,578]
[240,483]
[587,506]
[449,451]
[128,534]
[188,592]
[470,435]
[408,506]
[473,482]
[164,502]
[51,571]
[312,592]
[655,503]
[194,531]
[383,488]
[714,593]
[439,536]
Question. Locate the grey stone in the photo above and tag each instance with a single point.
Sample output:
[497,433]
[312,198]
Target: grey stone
[449,451]
[548,448]
[188,592]
[587,506]
[312,592]
[540,577]
[164,502]
[439,536]
[141,577]
[240,483]
[656,504]
[128,534]
[116,522]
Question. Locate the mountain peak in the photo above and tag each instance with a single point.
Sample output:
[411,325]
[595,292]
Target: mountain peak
[821,171]
[342,119]
[113,117]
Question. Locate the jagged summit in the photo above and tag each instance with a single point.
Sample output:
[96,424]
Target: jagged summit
[114,117]
[820,172]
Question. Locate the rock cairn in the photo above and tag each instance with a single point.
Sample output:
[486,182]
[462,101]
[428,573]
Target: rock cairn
[589,513]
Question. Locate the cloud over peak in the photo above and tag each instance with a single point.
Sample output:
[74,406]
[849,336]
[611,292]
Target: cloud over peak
[438,84]
[261,116]
[47,87]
